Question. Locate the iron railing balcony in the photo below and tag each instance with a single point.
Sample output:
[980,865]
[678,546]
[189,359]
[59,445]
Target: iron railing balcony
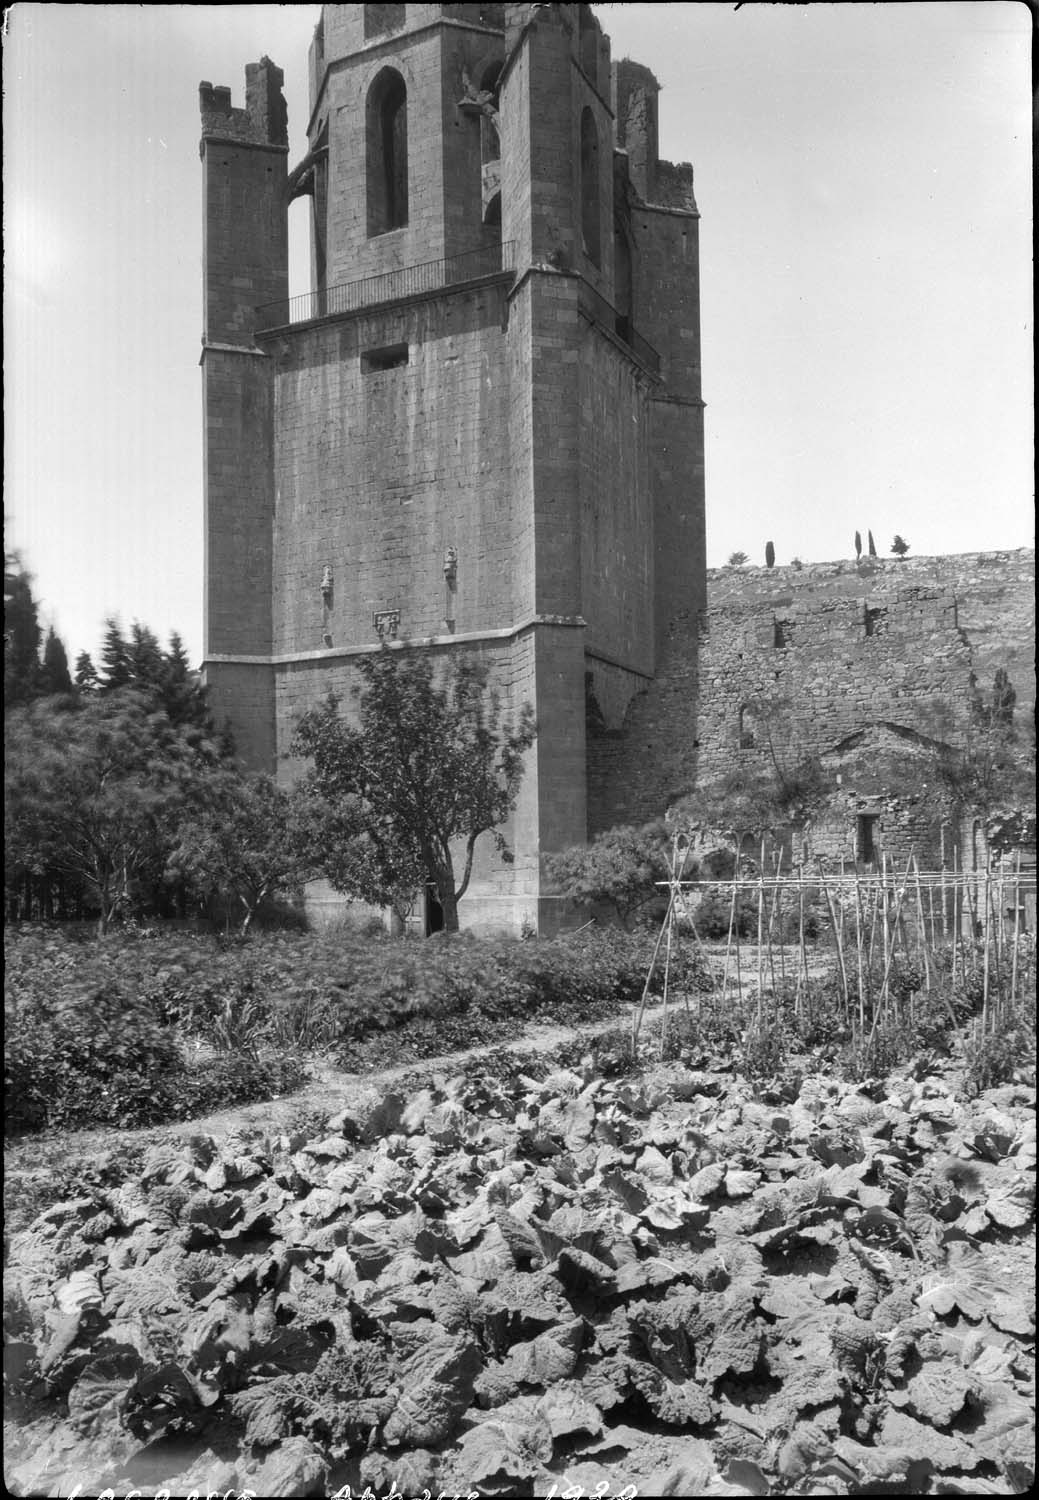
[596,307]
[435,276]
[389,286]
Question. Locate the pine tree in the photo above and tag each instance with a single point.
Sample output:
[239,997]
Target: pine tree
[899,546]
[115,657]
[21,634]
[55,676]
[86,673]
[145,659]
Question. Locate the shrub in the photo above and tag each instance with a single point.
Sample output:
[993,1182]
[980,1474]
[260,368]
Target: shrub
[713,914]
[94,1032]
[90,1058]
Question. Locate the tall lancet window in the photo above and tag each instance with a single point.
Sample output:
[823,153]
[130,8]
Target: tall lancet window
[387,153]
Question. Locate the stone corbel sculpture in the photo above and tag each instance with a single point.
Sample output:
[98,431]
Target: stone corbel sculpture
[451,565]
[326,581]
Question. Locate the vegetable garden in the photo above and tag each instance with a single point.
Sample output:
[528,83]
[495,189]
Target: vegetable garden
[778,1240]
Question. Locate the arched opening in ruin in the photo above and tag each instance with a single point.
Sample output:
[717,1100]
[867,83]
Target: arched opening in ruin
[590,187]
[387,152]
[490,146]
[747,736]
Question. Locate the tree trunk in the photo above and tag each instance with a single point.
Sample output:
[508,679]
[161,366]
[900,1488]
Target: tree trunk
[443,873]
[449,905]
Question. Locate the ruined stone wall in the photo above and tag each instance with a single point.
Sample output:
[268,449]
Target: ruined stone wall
[810,659]
[994,594]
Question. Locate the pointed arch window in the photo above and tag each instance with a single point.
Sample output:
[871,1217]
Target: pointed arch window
[590,194]
[387,152]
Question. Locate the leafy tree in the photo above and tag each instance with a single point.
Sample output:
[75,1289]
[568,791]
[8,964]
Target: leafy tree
[55,676]
[858,545]
[21,634]
[899,546]
[619,868]
[358,854]
[770,555]
[871,544]
[240,844]
[430,765]
[796,564]
[94,788]
[737,559]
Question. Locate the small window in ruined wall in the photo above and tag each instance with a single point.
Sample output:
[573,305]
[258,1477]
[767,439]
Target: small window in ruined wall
[386,153]
[876,622]
[866,838]
[590,196]
[780,634]
[379,19]
[747,740]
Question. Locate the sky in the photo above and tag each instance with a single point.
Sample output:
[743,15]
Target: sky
[863,173]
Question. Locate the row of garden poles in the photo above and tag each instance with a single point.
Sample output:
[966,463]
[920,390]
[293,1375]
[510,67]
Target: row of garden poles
[873,927]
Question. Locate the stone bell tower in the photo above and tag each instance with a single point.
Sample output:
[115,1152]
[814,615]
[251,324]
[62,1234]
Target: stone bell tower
[481,430]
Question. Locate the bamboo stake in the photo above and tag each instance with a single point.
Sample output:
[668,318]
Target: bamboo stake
[761,934]
[858,951]
[957,936]
[923,933]
[883,892]
[984,978]
[637,1018]
[900,897]
[945,914]
[739,963]
[1017,927]
[732,919]
[875,904]
[802,955]
[840,948]
[667,969]
[999,936]
[772,908]
[882,1007]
